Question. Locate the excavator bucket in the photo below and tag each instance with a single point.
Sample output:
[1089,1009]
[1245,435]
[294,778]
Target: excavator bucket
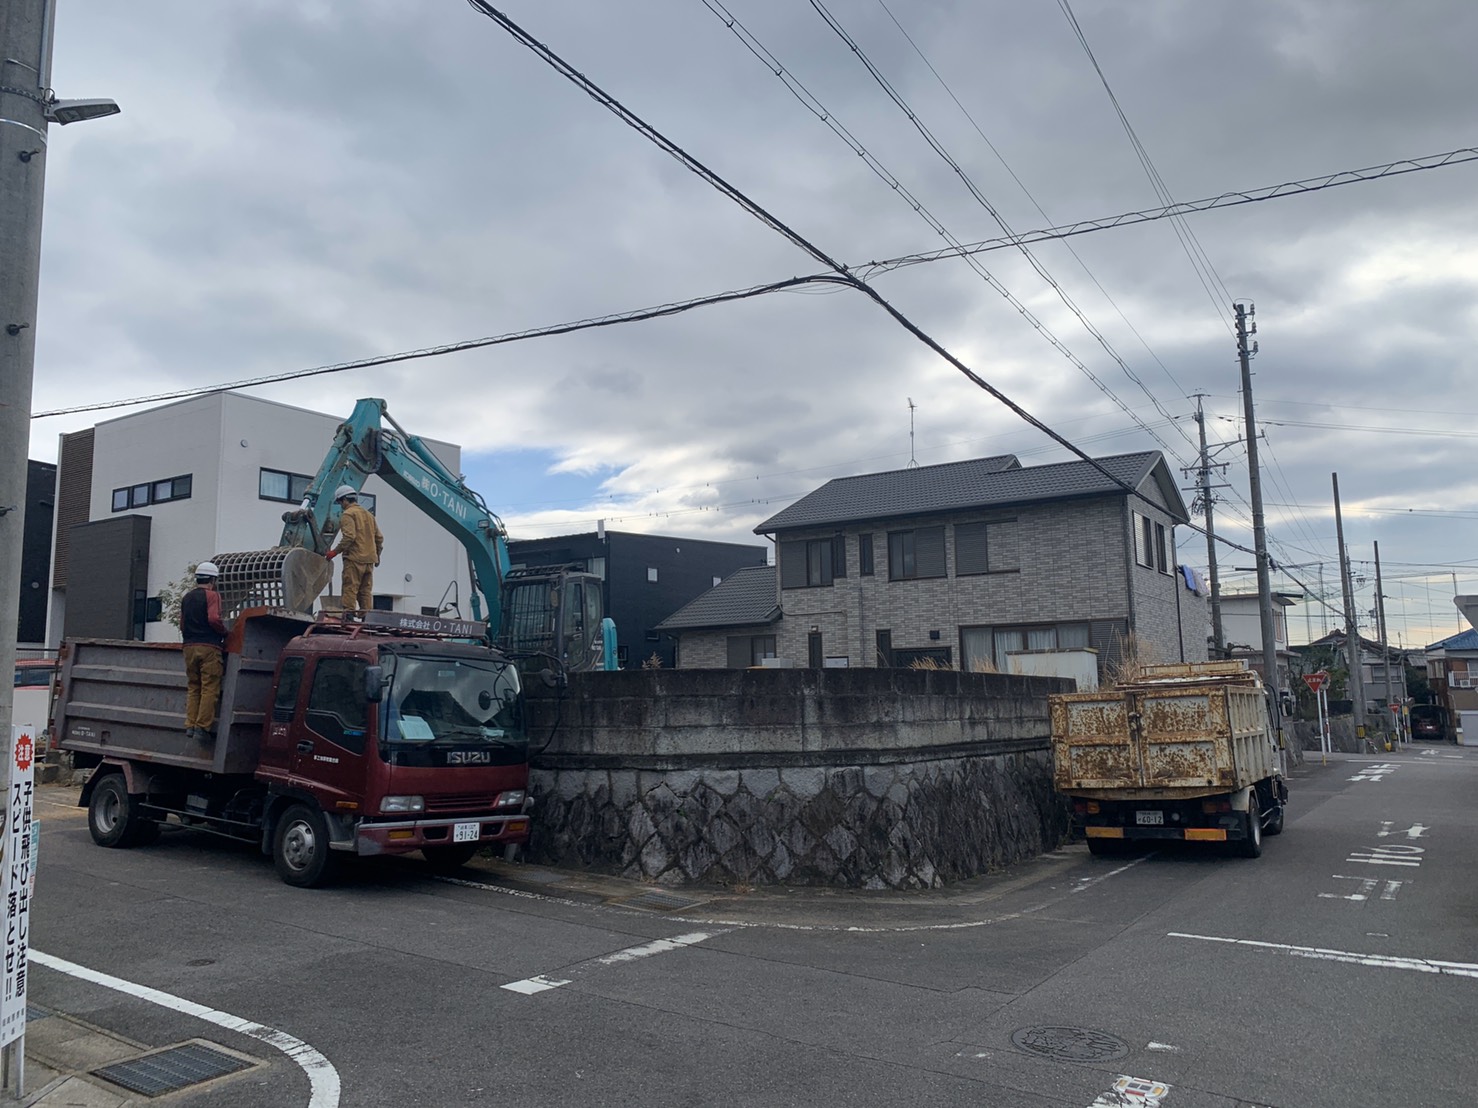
[285,577]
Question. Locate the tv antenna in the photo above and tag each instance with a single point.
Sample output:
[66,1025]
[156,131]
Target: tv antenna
[913,463]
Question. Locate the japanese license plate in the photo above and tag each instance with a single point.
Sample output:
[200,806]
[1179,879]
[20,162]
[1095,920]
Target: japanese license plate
[1149,819]
[469,832]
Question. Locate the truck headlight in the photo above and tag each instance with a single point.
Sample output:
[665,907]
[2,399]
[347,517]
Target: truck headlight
[509,799]
[403,804]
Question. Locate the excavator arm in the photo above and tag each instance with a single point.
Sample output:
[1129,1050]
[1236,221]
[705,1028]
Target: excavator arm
[364,446]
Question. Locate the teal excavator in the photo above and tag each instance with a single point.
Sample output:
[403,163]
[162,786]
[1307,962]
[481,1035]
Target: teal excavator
[542,616]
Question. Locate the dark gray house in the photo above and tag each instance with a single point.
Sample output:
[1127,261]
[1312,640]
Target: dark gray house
[647,578]
[966,562]
[732,626]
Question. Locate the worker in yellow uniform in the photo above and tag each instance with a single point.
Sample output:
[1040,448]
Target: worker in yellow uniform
[204,634]
[360,542]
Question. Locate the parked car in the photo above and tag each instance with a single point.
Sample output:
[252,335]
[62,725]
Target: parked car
[1429,723]
[33,680]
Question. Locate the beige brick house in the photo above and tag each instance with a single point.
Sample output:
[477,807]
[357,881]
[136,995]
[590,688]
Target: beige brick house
[963,563]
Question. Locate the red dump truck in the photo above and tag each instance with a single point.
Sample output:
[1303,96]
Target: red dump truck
[383,737]
[1184,752]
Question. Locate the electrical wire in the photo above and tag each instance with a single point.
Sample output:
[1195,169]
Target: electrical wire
[863,271]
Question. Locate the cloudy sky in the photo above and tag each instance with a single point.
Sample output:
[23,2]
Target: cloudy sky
[295,183]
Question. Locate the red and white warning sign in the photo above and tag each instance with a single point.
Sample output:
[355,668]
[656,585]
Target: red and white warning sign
[1316,681]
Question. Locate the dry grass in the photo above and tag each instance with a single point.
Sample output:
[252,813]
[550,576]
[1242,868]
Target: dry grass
[929,663]
[654,661]
[983,665]
[1133,655]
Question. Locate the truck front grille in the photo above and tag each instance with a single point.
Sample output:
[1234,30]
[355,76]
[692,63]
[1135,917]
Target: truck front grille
[460,802]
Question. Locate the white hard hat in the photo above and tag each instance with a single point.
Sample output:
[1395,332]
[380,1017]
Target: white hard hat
[207,569]
[345,490]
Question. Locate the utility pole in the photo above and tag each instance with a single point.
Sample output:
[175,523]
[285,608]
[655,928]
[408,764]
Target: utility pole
[1218,638]
[1352,631]
[1245,353]
[25,61]
[1385,646]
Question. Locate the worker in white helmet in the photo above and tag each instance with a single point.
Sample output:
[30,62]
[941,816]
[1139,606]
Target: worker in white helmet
[204,634]
[360,542]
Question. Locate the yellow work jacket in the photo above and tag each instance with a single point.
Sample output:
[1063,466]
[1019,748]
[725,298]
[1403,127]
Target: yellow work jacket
[359,536]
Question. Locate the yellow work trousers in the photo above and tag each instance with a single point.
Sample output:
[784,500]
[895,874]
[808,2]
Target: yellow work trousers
[359,586]
[203,679]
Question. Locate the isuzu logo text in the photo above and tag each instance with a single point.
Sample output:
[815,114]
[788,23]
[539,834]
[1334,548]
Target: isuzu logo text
[469,757]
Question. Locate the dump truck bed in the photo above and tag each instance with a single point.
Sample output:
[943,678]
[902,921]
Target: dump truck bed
[1170,736]
[125,700]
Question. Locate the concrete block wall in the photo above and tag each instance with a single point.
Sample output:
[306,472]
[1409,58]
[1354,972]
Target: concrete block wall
[858,778]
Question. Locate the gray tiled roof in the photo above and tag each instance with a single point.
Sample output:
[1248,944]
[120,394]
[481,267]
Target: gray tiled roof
[747,596]
[959,486]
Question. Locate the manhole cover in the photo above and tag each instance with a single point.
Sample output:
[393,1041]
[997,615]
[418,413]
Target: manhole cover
[170,1070]
[660,901]
[1070,1044]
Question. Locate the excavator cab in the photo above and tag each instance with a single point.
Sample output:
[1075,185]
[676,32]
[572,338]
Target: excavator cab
[553,612]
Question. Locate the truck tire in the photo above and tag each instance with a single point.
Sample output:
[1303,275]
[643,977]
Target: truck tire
[113,816]
[1251,846]
[300,847]
[449,858]
[1275,821]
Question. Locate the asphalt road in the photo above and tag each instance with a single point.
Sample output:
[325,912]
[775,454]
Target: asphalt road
[1339,969]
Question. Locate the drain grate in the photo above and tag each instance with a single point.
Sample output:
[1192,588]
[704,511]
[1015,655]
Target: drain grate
[36,1012]
[660,901]
[168,1071]
[1069,1044]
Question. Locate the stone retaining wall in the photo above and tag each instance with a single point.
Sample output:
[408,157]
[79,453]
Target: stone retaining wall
[860,778]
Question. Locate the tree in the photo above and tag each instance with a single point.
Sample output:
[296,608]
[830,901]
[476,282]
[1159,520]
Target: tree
[172,594]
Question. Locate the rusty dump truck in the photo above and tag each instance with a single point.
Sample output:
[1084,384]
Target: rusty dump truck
[397,734]
[1184,752]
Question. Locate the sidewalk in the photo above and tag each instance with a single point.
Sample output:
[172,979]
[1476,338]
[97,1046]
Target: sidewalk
[60,1052]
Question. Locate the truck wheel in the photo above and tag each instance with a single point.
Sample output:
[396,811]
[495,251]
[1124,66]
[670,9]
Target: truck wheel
[1105,848]
[1275,821]
[1251,846]
[450,858]
[300,847]
[113,816]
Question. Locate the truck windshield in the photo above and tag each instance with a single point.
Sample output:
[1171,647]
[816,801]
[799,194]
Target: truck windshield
[452,701]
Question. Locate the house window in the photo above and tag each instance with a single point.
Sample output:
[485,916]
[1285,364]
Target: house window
[652,574]
[810,563]
[290,488]
[864,555]
[916,554]
[985,649]
[884,648]
[750,650]
[929,658]
[1151,546]
[155,492]
[986,548]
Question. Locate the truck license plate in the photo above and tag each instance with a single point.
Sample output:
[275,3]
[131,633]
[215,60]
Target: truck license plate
[471,832]
[1149,819]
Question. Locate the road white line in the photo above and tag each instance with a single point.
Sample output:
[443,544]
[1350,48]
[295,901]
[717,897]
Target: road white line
[323,1079]
[1382,961]
[1089,882]
[1163,1046]
[531,985]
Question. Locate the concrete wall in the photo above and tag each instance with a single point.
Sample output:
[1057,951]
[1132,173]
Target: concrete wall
[859,778]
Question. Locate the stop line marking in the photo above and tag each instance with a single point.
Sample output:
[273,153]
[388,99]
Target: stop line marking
[530,986]
[1380,961]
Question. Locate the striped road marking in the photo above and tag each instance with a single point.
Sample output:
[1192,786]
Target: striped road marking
[543,983]
[1381,961]
[323,1079]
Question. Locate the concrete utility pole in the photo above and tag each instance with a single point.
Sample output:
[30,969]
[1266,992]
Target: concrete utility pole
[1245,329]
[25,69]
[1385,645]
[1218,637]
[1352,631]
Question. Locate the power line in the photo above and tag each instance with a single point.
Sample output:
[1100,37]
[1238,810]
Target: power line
[799,284]
[809,101]
[1189,243]
[980,198]
[693,165]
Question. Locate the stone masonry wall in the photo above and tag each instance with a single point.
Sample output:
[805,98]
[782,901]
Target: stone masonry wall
[858,778]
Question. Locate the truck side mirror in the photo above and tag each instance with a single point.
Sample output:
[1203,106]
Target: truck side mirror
[374,683]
